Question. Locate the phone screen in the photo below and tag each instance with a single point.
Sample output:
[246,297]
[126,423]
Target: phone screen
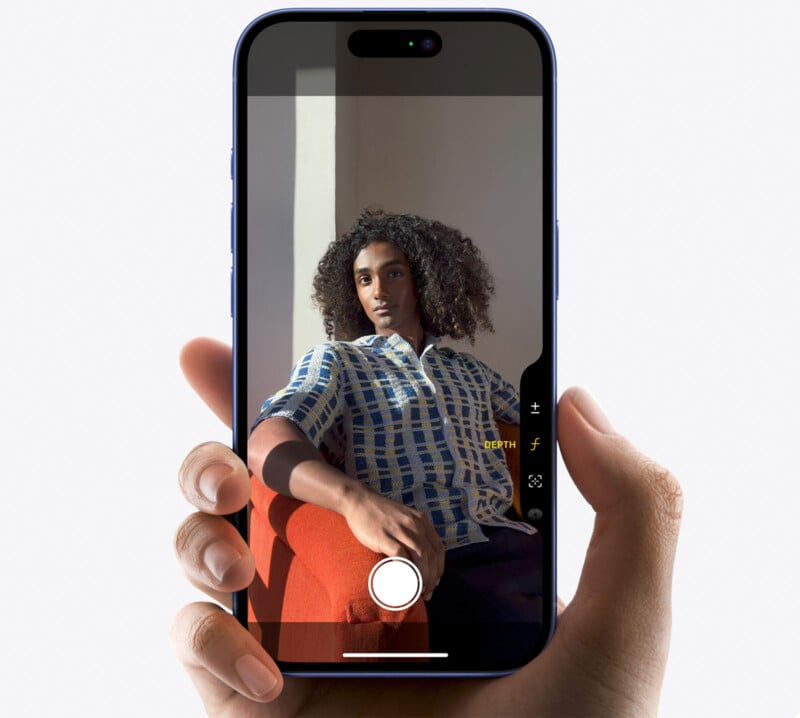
[394,299]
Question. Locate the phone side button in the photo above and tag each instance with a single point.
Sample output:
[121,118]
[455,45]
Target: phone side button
[231,292]
[557,272]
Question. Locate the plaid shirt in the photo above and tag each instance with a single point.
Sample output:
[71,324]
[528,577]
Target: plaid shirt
[411,428]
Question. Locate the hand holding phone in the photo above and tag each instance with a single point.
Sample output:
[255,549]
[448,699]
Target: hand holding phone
[610,648]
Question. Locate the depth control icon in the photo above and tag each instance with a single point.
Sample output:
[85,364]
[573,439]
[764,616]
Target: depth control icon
[395,583]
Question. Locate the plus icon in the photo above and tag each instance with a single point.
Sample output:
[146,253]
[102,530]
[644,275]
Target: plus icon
[535,408]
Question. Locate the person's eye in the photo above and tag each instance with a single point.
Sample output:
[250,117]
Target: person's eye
[362,279]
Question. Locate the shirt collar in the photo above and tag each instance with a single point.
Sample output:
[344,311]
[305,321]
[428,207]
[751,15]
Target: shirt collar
[397,343]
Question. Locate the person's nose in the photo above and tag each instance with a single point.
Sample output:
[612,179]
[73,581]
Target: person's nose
[378,289]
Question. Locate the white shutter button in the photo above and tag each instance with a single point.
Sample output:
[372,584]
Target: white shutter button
[395,583]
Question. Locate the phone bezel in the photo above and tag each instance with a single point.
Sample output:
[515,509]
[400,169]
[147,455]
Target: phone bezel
[547,361]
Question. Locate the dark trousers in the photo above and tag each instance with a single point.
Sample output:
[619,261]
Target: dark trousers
[487,610]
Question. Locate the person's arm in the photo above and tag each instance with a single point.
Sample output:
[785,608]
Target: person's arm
[504,396]
[282,447]
[281,455]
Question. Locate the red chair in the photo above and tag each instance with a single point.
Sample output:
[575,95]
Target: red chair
[309,601]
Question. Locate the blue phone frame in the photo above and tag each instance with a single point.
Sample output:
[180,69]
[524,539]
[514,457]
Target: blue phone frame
[550,294]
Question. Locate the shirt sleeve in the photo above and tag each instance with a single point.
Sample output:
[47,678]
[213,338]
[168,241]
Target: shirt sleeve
[311,399]
[505,397]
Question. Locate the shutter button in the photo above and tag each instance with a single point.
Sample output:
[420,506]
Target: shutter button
[395,583]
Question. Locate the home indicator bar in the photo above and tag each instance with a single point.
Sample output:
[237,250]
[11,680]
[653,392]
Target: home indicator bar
[394,655]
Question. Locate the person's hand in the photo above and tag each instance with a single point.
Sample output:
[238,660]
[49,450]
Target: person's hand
[606,658]
[394,529]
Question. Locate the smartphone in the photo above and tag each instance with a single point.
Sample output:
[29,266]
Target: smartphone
[393,298]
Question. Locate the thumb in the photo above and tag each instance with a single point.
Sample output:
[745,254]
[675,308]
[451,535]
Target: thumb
[627,575]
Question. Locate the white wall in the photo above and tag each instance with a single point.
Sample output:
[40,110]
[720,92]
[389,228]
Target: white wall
[679,223]
[315,206]
[464,162]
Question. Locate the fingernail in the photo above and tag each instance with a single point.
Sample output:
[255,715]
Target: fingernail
[211,479]
[429,596]
[219,557]
[255,675]
[590,410]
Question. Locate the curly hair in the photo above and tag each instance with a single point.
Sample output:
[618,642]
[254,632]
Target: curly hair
[454,285]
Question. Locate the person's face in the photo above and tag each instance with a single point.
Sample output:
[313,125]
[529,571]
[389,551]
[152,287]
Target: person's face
[386,289]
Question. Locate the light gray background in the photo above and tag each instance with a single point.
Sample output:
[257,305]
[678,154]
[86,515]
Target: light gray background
[678,177]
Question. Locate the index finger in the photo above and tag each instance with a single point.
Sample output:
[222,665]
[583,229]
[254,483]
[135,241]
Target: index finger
[212,477]
[214,480]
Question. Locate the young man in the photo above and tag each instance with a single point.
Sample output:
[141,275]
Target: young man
[403,423]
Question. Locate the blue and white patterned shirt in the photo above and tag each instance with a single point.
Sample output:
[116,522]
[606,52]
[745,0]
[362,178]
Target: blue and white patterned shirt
[412,428]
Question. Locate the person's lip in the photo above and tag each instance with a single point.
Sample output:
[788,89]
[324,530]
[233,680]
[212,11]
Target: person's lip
[383,308]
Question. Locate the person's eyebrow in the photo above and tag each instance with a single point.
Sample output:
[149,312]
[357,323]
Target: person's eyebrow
[390,263]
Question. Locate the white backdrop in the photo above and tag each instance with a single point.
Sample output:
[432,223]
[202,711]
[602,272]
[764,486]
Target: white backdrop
[678,179]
